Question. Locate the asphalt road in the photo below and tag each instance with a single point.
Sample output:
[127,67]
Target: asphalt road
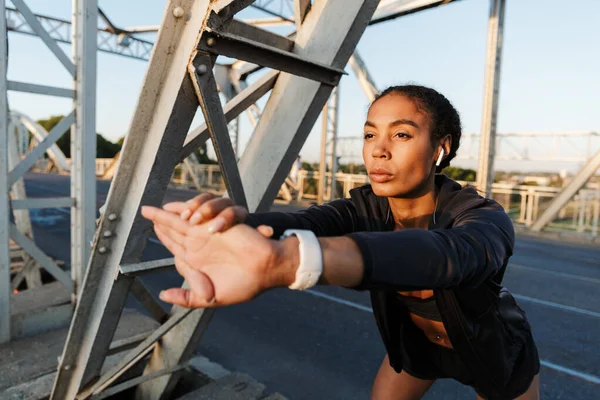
[324,344]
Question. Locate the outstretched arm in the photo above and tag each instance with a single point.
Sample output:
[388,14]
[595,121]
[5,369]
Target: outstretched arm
[238,264]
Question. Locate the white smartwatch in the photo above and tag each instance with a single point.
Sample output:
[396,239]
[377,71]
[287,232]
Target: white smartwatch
[311,259]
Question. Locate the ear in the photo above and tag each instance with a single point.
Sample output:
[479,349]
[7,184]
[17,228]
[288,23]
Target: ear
[447,144]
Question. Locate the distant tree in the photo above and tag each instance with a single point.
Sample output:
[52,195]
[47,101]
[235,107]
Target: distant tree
[460,174]
[104,148]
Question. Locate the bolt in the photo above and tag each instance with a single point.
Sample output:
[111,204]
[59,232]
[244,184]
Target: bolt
[107,234]
[67,367]
[202,69]
[178,12]
[210,41]
[102,250]
[112,217]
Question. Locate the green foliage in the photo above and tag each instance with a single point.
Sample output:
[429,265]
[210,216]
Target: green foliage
[460,174]
[202,155]
[104,148]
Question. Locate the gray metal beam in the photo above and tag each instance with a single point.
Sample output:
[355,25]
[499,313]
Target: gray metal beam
[60,31]
[487,145]
[44,35]
[38,255]
[389,10]
[295,103]
[4,187]
[229,45]
[365,80]
[208,97]
[567,193]
[83,138]
[232,110]
[158,128]
[147,267]
[31,158]
[301,8]
[44,202]
[40,89]
[146,299]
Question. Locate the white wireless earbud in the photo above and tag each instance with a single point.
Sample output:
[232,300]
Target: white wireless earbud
[440,158]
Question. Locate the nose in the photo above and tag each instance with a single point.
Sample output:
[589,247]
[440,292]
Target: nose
[380,150]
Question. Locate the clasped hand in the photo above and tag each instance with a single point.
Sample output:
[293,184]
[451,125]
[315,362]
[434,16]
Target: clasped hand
[224,261]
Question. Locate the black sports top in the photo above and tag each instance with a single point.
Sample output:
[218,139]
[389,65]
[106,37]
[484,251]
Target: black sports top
[425,308]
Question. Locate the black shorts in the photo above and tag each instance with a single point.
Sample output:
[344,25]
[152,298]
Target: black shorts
[426,360]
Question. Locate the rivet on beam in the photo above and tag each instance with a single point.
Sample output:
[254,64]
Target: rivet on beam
[178,12]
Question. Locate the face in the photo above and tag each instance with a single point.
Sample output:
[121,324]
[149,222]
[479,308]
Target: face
[397,149]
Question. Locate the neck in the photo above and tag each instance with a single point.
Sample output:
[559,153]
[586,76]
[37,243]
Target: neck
[414,212]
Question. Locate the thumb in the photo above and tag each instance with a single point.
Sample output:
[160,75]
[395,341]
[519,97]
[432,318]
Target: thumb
[184,298]
[265,230]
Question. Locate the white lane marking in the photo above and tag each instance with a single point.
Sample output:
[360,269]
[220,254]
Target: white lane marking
[581,375]
[555,273]
[340,301]
[155,240]
[565,370]
[557,305]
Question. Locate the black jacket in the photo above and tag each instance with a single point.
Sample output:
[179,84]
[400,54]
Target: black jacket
[462,257]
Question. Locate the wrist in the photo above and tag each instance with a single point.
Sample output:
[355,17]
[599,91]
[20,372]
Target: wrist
[287,261]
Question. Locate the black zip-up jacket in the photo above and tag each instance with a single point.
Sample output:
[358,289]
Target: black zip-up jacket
[462,257]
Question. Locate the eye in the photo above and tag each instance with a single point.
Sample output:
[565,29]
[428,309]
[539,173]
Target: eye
[402,135]
[368,135]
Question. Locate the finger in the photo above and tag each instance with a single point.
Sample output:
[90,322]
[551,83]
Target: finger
[210,209]
[195,203]
[175,248]
[265,230]
[227,218]
[176,207]
[165,218]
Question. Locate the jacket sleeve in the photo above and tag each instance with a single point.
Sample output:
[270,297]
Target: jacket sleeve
[466,254]
[336,218]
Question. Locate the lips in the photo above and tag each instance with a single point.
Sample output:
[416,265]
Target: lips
[380,175]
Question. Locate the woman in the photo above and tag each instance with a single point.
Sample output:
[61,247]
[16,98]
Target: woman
[431,253]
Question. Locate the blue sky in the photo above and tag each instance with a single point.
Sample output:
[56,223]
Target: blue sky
[549,82]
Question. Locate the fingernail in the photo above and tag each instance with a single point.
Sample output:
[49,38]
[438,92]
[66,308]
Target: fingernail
[211,301]
[196,218]
[271,231]
[216,225]
[186,214]
[161,295]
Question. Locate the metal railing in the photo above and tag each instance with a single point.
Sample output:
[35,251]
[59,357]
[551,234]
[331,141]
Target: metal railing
[524,203]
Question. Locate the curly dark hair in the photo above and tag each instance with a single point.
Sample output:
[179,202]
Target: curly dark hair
[443,117]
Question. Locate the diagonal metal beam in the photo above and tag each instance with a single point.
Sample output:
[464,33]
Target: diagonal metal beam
[301,8]
[286,129]
[137,381]
[232,110]
[44,35]
[41,148]
[568,192]
[295,104]
[208,97]
[164,112]
[38,255]
[133,356]
[146,299]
